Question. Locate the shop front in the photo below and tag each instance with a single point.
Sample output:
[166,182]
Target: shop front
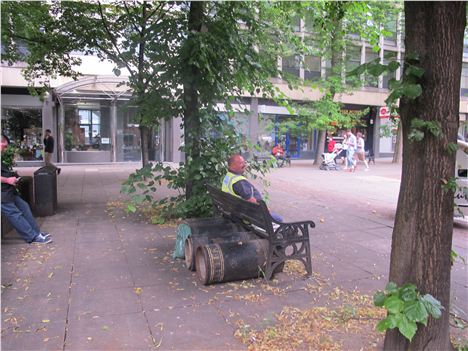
[22,122]
[96,123]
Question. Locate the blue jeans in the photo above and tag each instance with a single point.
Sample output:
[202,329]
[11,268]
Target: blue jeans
[20,216]
[276,217]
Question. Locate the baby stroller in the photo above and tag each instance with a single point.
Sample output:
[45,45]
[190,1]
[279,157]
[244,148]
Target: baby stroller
[328,162]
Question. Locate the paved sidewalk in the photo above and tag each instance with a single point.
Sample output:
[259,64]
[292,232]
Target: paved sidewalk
[109,282]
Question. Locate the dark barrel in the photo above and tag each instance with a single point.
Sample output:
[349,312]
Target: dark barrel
[228,261]
[199,239]
[45,190]
[196,226]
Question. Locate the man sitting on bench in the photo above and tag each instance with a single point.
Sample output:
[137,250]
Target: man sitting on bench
[236,184]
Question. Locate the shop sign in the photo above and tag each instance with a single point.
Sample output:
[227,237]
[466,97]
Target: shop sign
[384,112]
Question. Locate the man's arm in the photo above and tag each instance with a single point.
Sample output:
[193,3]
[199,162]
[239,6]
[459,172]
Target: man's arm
[245,190]
[9,180]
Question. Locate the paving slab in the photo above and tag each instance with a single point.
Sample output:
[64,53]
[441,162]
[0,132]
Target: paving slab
[111,332]
[190,327]
[109,280]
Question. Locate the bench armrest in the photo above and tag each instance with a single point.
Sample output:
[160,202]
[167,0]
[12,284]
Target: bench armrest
[298,223]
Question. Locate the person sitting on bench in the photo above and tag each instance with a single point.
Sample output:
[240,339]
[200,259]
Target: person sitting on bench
[236,184]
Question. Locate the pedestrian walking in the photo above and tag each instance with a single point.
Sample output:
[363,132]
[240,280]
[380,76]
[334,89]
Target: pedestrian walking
[352,143]
[361,150]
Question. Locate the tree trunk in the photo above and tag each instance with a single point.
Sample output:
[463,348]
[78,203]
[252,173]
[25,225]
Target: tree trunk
[322,134]
[337,11]
[422,235]
[398,145]
[144,134]
[192,123]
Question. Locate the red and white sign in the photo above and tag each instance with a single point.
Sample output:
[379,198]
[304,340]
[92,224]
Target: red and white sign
[384,112]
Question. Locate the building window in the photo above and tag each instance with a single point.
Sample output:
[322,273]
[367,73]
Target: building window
[464,81]
[353,58]
[312,62]
[90,123]
[390,26]
[87,128]
[24,128]
[389,56]
[291,65]
[312,67]
[465,47]
[128,134]
[369,80]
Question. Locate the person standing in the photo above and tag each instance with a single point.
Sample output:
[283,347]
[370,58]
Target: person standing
[15,208]
[49,149]
[352,143]
[360,150]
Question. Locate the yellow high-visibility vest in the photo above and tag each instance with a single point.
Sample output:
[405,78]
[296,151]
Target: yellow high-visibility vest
[229,180]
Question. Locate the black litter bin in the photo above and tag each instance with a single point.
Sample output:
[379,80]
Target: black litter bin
[45,190]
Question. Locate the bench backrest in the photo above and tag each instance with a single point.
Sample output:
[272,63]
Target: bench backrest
[242,211]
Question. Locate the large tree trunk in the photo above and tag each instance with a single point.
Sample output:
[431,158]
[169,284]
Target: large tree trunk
[192,124]
[322,134]
[422,235]
[337,12]
[144,135]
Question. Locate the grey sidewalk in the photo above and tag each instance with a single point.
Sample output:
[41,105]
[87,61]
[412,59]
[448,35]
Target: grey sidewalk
[109,282]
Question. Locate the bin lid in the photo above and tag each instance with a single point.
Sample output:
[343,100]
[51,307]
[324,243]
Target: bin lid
[50,170]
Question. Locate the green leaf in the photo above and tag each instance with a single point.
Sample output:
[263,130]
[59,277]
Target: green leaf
[391,287]
[416,135]
[393,304]
[406,327]
[139,198]
[379,298]
[408,292]
[416,311]
[388,323]
[393,66]
[131,208]
[414,71]
[377,69]
[383,325]
[432,305]
[411,91]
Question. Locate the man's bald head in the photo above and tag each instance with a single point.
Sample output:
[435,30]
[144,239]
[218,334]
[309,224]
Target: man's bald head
[236,164]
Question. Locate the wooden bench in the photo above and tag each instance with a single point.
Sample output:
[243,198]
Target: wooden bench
[286,241]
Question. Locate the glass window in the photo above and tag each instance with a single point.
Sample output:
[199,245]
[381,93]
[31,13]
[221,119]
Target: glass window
[391,27]
[388,57]
[464,81]
[371,81]
[353,57]
[312,67]
[291,65]
[465,47]
[24,128]
[128,134]
[87,128]
[312,62]
[328,70]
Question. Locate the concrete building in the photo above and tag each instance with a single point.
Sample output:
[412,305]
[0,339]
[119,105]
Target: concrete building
[92,122]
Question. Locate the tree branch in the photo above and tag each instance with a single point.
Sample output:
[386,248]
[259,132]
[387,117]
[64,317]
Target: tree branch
[112,39]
